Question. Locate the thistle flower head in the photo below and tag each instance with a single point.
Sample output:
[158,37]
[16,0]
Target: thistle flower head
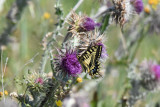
[150,75]
[89,24]
[67,63]
[81,23]
[156,71]
[138,5]
[70,64]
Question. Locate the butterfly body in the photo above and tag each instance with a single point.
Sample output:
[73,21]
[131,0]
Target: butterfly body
[90,60]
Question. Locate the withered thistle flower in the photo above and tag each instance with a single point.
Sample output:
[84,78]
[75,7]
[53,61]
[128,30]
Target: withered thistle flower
[81,23]
[150,75]
[124,9]
[67,63]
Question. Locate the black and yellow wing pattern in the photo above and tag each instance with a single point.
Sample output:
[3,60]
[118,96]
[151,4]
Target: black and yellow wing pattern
[90,60]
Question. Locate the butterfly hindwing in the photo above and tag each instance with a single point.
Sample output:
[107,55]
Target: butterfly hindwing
[90,60]
[96,67]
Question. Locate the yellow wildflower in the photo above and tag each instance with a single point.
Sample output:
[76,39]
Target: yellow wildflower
[154,3]
[46,15]
[59,103]
[6,92]
[79,79]
[1,94]
[147,9]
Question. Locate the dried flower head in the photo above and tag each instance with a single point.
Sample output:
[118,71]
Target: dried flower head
[150,75]
[81,23]
[124,9]
[67,62]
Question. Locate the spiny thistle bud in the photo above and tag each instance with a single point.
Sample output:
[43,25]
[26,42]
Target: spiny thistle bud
[39,80]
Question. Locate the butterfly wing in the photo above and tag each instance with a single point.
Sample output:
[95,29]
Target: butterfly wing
[94,70]
[90,60]
[86,59]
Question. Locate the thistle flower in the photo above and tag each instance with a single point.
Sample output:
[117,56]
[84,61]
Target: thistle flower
[89,24]
[138,5]
[81,23]
[39,80]
[67,62]
[156,71]
[150,75]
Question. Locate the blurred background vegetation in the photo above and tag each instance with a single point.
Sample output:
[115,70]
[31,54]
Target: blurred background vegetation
[38,19]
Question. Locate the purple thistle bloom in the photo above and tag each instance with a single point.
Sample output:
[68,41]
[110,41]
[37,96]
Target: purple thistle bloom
[89,24]
[39,80]
[138,5]
[156,71]
[71,64]
[104,54]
